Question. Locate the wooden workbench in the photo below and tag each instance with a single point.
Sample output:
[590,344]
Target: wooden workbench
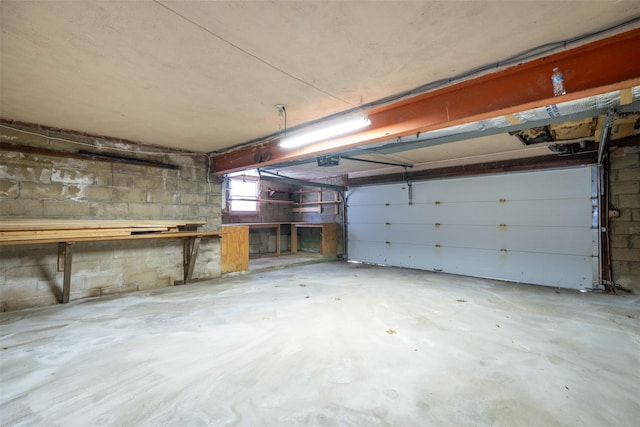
[328,248]
[67,232]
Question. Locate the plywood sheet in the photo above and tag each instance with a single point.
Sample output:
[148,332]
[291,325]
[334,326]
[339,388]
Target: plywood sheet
[235,249]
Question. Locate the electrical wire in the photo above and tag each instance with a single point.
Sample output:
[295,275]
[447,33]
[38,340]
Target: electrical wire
[284,111]
[253,55]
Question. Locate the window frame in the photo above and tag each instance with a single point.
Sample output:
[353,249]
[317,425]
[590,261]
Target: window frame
[243,197]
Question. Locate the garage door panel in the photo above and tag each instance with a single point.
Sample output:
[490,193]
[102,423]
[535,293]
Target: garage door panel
[565,212]
[398,233]
[398,255]
[558,213]
[533,227]
[548,269]
[556,240]
[559,240]
[552,184]
[394,214]
[378,195]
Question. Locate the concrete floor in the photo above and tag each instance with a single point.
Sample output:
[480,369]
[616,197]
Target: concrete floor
[283,261]
[331,344]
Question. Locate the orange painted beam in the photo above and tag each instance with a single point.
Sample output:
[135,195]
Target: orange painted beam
[598,67]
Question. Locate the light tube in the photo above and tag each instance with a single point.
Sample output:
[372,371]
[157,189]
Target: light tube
[326,132]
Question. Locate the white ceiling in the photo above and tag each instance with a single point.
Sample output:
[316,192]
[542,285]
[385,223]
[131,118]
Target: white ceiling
[206,75]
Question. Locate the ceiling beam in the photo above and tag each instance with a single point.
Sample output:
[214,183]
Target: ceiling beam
[598,67]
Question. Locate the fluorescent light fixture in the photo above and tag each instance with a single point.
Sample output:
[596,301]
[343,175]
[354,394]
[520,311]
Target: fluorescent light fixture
[326,132]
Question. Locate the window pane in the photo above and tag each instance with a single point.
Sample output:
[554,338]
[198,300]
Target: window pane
[243,189]
[243,206]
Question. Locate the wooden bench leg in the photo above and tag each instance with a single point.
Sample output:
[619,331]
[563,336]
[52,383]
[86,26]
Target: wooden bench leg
[191,247]
[294,239]
[65,251]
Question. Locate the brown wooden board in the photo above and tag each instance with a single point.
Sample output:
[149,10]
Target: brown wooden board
[234,249]
[31,224]
[146,236]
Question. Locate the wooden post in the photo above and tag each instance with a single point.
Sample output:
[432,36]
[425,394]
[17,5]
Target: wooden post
[294,239]
[66,285]
[191,247]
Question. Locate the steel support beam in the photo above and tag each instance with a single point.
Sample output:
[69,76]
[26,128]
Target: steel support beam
[602,66]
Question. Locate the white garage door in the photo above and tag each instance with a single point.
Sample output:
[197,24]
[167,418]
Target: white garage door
[533,227]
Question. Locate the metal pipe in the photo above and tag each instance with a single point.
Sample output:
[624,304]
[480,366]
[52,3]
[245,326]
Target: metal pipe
[603,211]
[283,179]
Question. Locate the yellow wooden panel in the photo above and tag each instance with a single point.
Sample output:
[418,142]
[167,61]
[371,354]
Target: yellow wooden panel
[234,249]
[330,240]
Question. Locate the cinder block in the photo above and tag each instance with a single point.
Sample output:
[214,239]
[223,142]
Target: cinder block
[117,289]
[103,175]
[30,273]
[625,254]
[620,241]
[67,208]
[139,276]
[212,189]
[145,210]
[625,187]
[634,269]
[630,174]
[9,189]
[102,280]
[82,268]
[629,201]
[174,272]
[78,176]
[35,190]
[628,281]
[625,214]
[165,197]
[125,169]
[112,264]
[628,160]
[157,282]
[29,302]
[122,180]
[150,170]
[179,211]
[625,227]
[620,267]
[193,199]
[208,211]
[18,173]
[109,210]
[635,215]
[95,193]
[181,185]
[18,290]
[131,195]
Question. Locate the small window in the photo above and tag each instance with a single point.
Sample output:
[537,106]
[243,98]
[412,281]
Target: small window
[243,195]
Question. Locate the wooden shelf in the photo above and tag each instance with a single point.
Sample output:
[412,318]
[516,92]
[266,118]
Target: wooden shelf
[67,232]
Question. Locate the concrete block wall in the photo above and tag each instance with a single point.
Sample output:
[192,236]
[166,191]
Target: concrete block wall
[625,230]
[55,186]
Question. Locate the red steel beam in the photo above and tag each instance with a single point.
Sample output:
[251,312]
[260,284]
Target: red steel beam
[598,67]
